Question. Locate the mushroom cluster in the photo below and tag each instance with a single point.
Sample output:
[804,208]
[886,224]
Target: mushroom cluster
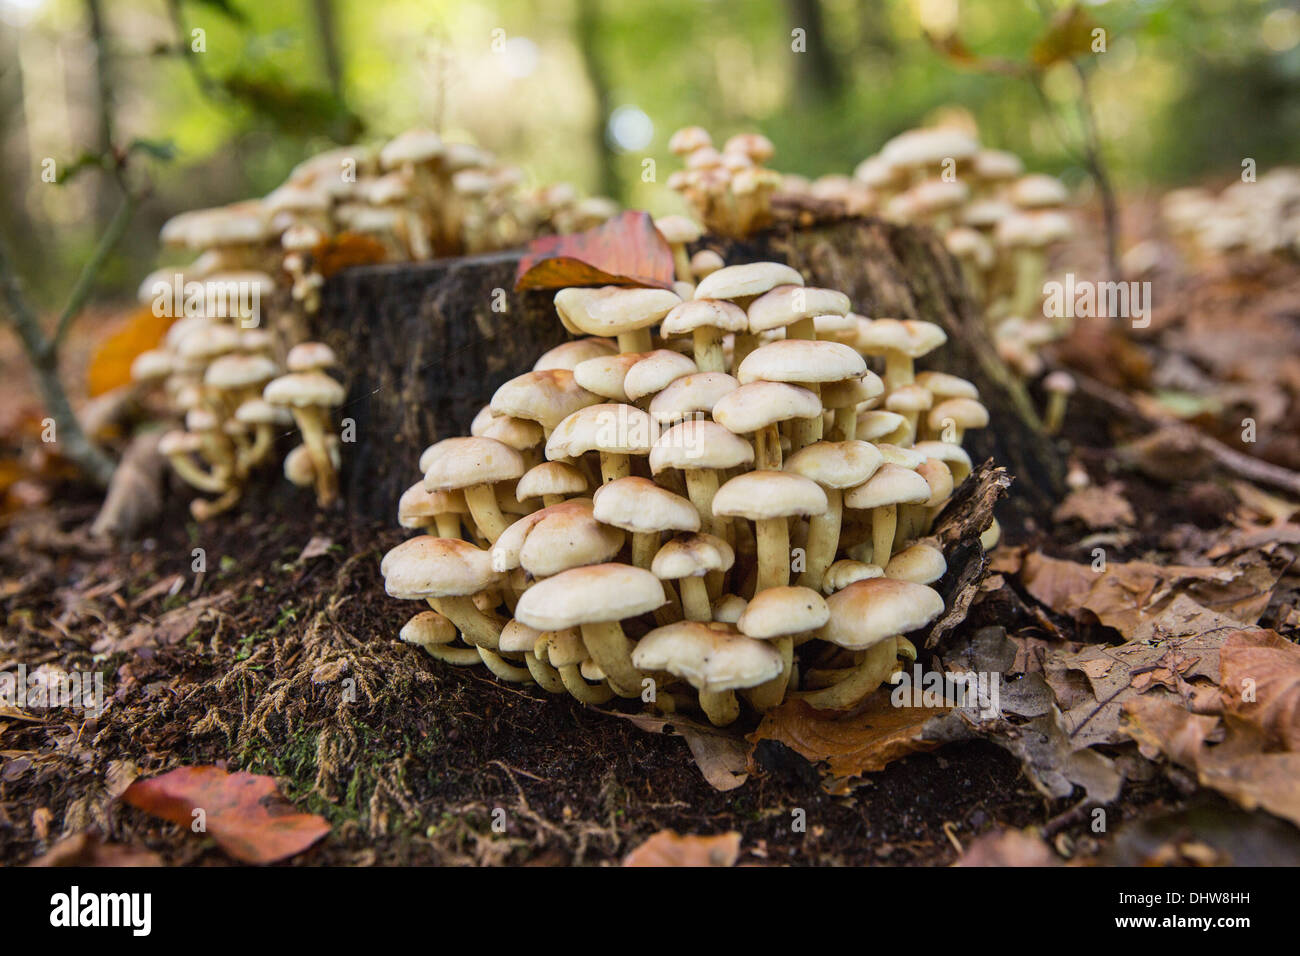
[729,190]
[413,198]
[1261,217]
[699,501]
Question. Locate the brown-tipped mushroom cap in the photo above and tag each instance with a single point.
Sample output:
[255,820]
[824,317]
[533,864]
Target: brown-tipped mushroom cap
[691,394]
[428,567]
[639,505]
[309,356]
[612,310]
[728,608]
[922,563]
[678,230]
[964,413]
[507,553]
[567,538]
[852,391]
[417,508]
[942,385]
[618,429]
[710,657]
[655,371]
[840,464]
[758,404]
[746,281]
[519,433]
[787,304]
[759,495]
[692,556]
[867,612]
[599,593]
[704,313]
[466,462]
[567,355]
[891,485]
[239,370]
[801,360]
[698,443]
[304,388]
[782,611]
[877,424]
[428,629]
[546,397]
[551,478]
[517,637]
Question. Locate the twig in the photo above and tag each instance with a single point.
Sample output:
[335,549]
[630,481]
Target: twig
[90,271]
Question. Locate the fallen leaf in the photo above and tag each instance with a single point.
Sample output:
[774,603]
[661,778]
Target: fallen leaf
[170,627]
[89,849]
[347,249]
[668,848]
[721,757]
[1008,848]
[1266,667]
[317,547]
[626,250]
[243,812]
[849,746]
[110,365]
[134,499]
[1097,507]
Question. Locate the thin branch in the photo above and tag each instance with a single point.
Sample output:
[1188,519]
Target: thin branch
[90,271]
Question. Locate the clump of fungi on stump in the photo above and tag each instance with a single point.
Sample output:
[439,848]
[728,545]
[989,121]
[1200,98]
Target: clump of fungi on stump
[701,503]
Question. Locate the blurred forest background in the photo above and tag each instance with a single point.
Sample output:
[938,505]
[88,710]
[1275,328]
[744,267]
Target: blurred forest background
[217,99]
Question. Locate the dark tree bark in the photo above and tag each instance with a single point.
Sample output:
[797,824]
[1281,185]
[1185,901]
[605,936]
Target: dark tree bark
[425,350]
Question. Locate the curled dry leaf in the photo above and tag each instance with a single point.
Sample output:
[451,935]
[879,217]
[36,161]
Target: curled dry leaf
[627,250]
[242,812]
[1261,684]
[668,848]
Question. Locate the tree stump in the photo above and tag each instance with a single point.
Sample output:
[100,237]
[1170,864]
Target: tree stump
[425,345]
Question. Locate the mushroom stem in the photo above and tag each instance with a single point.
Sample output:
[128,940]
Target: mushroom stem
[884,524]
[845,425]
[459,656]
[805,431]
[804,328]
[695,599]
[448,525]
[1030,265]
[701,486]
[547,677]
[610,649]
[767,695]
[721,707]
[311,422]
[195,476]
[638,340]
[256,453]
[767,448]
[501,668]
[823,540]
[745,343]
[1054,417]
[614,466]
[202,510]
[899,369]
[681,262]
[644,546]
[709,355]
[773,553]
[576,684]
[877,664]
[476,627]
[549,500]
[485,508]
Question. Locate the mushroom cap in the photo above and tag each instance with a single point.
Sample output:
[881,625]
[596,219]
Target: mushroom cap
[781,611]
[1038,190]
[239,370]
[840,464]
[928,146]
[258,411]
[417,507]
[517,637]
[759,495]
[728,608]
[867,612]
[562,648]
[545,397]
[937,195]
[619,429]
[411,146]
[710,657]
[851,392]
[690,394]
[152,365]
[911,337]
[551,478]
[704,313]
[692,556]
[519,433]
[699,443]
[787,304]
[301,389]
[177,442]
[428,567]
[567,538]
[986,213]
[964,412]
[943,385]
[605,375]
[678,230]
[939,478]
[706,261]
[688,139]
[845,571]
[234,225]
[656,371]
[922,563]
[204,339]
[298,467]
[746,281]
[467,462]
[639,505]
[201,419]
[611,310]
[970,244]
[308,356]
[587,595]
[944,451]
[890,485]
[801,360]
[428,629]
[567,355]
[908,398]
[758,404]
[876,424]
[507,553]
[297,197]
[1059,381]
[997,165]
[754,145]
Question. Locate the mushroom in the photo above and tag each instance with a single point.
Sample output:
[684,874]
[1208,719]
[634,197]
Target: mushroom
[922,563]
[546,397]
[177,446]
[844,398]
[900,342]
[654,372]
[890,486]
[742,284]
[679,232]
[869,616]
[689,396]
[518,638]
[1059,386]
[728,608]
[768,498]
[713,659]
[640,506]
[552,481]
[701,450]
[474,466]
[779,615]
[565,652]
[436,634]
[567,355]
[615,431]
[845,571]
[705,262]
[310,395]
[435,511]
[707,321]
[835,466]
[802,362]
[952,455]
[951,418]
[595,599]
[263,418]
[909,401]
[626,313]
[446,572]
[759,408]
[688,558]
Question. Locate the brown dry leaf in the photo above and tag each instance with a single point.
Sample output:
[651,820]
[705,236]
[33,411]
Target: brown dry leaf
[110,365]
[317,547]
[170,627]
[722,757]
[1008,848]
[1265,666]
[668,848]
[627,250]
[134,498]
[243,812]
[346,250]
[849,746]
[1098,507]
[89,849]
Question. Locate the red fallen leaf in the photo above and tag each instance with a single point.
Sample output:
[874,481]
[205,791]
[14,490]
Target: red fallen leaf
[627,250]
[89,849]
[668,848]
[244,813]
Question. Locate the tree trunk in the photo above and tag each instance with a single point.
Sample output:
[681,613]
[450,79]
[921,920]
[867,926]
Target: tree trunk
[424,349]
